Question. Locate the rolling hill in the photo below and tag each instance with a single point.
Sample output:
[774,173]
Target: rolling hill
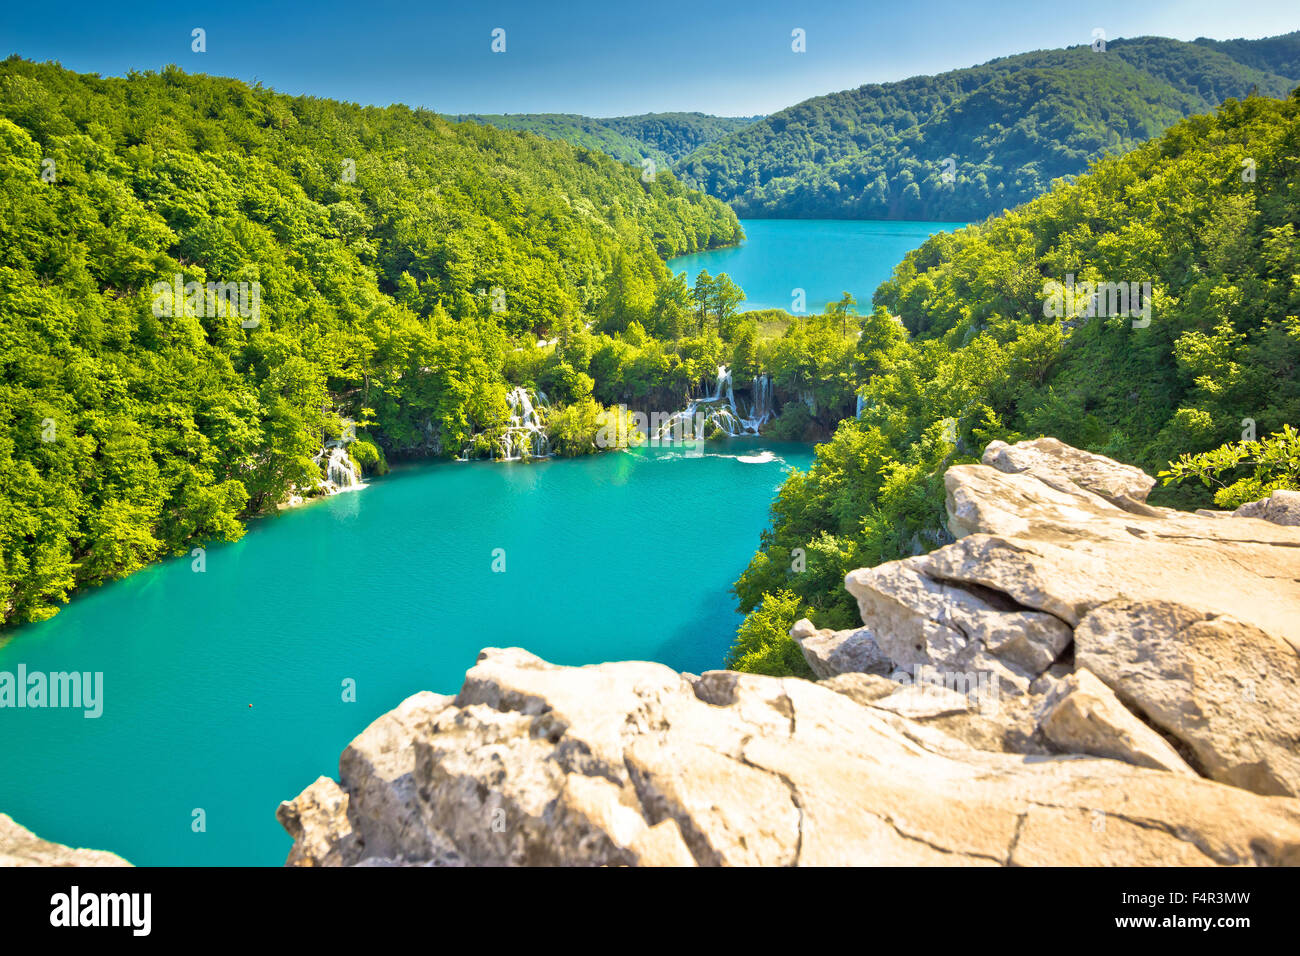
[968,143]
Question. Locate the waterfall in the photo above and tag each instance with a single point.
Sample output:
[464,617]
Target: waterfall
[857,412]
[724,381]
[525,436]
[720,410]
[340,473]
[760,410]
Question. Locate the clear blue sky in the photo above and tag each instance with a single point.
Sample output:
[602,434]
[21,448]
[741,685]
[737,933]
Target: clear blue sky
[600,58]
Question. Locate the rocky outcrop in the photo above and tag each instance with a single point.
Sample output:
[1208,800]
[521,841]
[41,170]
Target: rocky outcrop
[1281,507]
[1191,621]
[1065,551]
[1225,689]
[631,763]
[918,618]
[1056,463]
[1082,715]
[20,847]
[1080,678]
[837,652]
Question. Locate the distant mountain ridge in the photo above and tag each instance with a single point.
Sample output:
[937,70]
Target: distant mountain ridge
[968,143]
[663,137]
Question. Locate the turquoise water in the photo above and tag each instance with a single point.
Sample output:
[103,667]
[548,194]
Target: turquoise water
[824,257]
[617,556]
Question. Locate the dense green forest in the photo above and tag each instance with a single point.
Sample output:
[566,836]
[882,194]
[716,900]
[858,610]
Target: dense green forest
[1010,127]
[662,137]
[959,351]
[403,269]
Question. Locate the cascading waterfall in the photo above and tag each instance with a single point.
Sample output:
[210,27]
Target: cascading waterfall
[720,410]
[525,436]
[340,472]
[857,412]
[760,411]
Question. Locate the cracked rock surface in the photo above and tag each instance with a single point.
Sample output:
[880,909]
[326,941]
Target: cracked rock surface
[1190,621]
[632,763]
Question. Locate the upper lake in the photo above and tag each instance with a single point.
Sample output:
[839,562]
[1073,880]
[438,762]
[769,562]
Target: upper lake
[824,257]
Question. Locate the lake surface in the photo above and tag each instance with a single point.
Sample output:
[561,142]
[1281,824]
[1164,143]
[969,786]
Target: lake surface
[824,257]
[618,556]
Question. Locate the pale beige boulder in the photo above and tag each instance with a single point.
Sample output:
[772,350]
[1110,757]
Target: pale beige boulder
[21,847]
[1057,463]
[1225,689]
[831,652]
[1281,507]
[630,764]
[1082,715]
[918,618]
[1068,551]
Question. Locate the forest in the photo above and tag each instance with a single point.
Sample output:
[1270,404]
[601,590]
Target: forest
[969,143]
[662,137]
[958,351]
[405,269]
[412,273]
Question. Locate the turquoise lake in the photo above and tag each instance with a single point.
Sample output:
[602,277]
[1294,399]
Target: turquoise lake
[624,555]
[619,556]
[824,257]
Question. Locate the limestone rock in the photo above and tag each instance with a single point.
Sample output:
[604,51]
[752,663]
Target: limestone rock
[919,618]
[839,652]
[1034,537]
[1059,465]
[317,819]
[1224,688]
[382,757]
[628,763]
[863,688]
[20,847]
[1005,723]
[1281,507]
[1083,716]
[919,701]
[1067,551]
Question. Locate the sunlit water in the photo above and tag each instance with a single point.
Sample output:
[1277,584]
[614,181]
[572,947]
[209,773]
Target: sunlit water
[823,257]
[223,690]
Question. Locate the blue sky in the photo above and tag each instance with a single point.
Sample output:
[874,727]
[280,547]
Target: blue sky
[599,58]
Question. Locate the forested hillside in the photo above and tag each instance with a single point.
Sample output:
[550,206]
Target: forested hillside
[662,137]
[960,350]
[1008,127]
[404,268]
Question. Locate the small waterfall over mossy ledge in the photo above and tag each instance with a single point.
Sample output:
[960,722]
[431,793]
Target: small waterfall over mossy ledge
[339,473]
[716,408]
[524,436]
[340,470]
